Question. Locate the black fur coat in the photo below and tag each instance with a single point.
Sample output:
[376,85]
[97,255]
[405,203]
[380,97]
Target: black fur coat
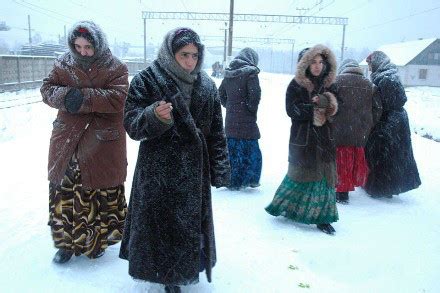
[170,222]
[388,151]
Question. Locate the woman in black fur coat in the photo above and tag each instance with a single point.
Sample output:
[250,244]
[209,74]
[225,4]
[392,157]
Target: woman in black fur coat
[174,109]
[388,151]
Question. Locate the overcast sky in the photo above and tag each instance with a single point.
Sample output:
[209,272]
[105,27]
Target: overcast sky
[371,23]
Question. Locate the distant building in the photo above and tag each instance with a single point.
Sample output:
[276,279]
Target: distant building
[43,49]
[418,61]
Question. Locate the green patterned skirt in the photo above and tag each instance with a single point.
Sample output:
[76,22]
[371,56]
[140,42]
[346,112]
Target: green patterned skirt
[305,202]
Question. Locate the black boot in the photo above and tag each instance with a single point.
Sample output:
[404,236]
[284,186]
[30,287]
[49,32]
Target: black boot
[172,289]
[100,253]
[342,197]
[326,228]
[62,256]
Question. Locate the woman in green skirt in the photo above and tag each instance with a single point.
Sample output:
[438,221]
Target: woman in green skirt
[307,193]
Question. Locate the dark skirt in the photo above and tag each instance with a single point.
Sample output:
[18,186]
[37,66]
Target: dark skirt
[246,162]
[305,202]
[85,221]
[352,168]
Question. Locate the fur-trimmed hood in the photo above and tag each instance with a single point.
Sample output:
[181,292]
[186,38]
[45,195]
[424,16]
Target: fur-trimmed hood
[306,60]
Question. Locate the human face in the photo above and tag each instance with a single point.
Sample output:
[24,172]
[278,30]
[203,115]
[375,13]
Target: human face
[84,47]
[187,57]
[317,65]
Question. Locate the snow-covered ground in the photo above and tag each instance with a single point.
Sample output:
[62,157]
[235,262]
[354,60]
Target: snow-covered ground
[381,245]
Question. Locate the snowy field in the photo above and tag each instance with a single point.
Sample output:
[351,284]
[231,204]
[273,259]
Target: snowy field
[380,245]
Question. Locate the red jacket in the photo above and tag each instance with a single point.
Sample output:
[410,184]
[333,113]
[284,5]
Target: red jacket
[96,132]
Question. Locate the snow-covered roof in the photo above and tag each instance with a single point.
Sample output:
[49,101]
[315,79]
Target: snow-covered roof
[402,53]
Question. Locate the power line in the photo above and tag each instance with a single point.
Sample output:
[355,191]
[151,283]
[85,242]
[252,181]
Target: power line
[184,6]
[356,7]
[35,8]
[387,22]
[48,13]
[397,19]
[305,19]
[284,29]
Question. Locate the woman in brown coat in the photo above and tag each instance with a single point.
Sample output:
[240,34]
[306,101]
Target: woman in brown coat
[87,156]
[359,110]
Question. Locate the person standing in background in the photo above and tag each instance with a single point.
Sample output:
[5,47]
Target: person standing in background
[358,111]
[389,154]
[240,94]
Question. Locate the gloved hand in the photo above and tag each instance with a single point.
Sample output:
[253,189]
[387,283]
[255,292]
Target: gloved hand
[319,116]
[73,100]
[323,101]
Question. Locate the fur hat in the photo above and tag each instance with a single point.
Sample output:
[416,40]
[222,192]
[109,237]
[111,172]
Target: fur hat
[185,36]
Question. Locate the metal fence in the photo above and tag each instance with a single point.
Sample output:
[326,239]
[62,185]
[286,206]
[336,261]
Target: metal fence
[25,72]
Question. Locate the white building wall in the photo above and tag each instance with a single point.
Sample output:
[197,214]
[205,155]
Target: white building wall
[412,75]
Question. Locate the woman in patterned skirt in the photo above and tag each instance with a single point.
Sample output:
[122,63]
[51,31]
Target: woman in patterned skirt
[87,155]
[307,193]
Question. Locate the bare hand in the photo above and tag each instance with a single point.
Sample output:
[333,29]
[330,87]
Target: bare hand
[163,110]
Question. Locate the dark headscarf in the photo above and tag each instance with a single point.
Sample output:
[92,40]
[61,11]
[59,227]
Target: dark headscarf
[348,65]
[245,62]
[173,41]
[380,65]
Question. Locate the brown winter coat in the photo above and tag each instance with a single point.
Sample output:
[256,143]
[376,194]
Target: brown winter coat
[358,110]
[96,132]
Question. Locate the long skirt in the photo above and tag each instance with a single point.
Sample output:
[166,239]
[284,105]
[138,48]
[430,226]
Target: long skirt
[352,168]
[305,202]
[85,221]
[246,162]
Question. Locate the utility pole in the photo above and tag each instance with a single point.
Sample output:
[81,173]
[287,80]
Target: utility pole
[30,35]
[343,42]
[291,60]
[226,40]
[231,25]
[145,41]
